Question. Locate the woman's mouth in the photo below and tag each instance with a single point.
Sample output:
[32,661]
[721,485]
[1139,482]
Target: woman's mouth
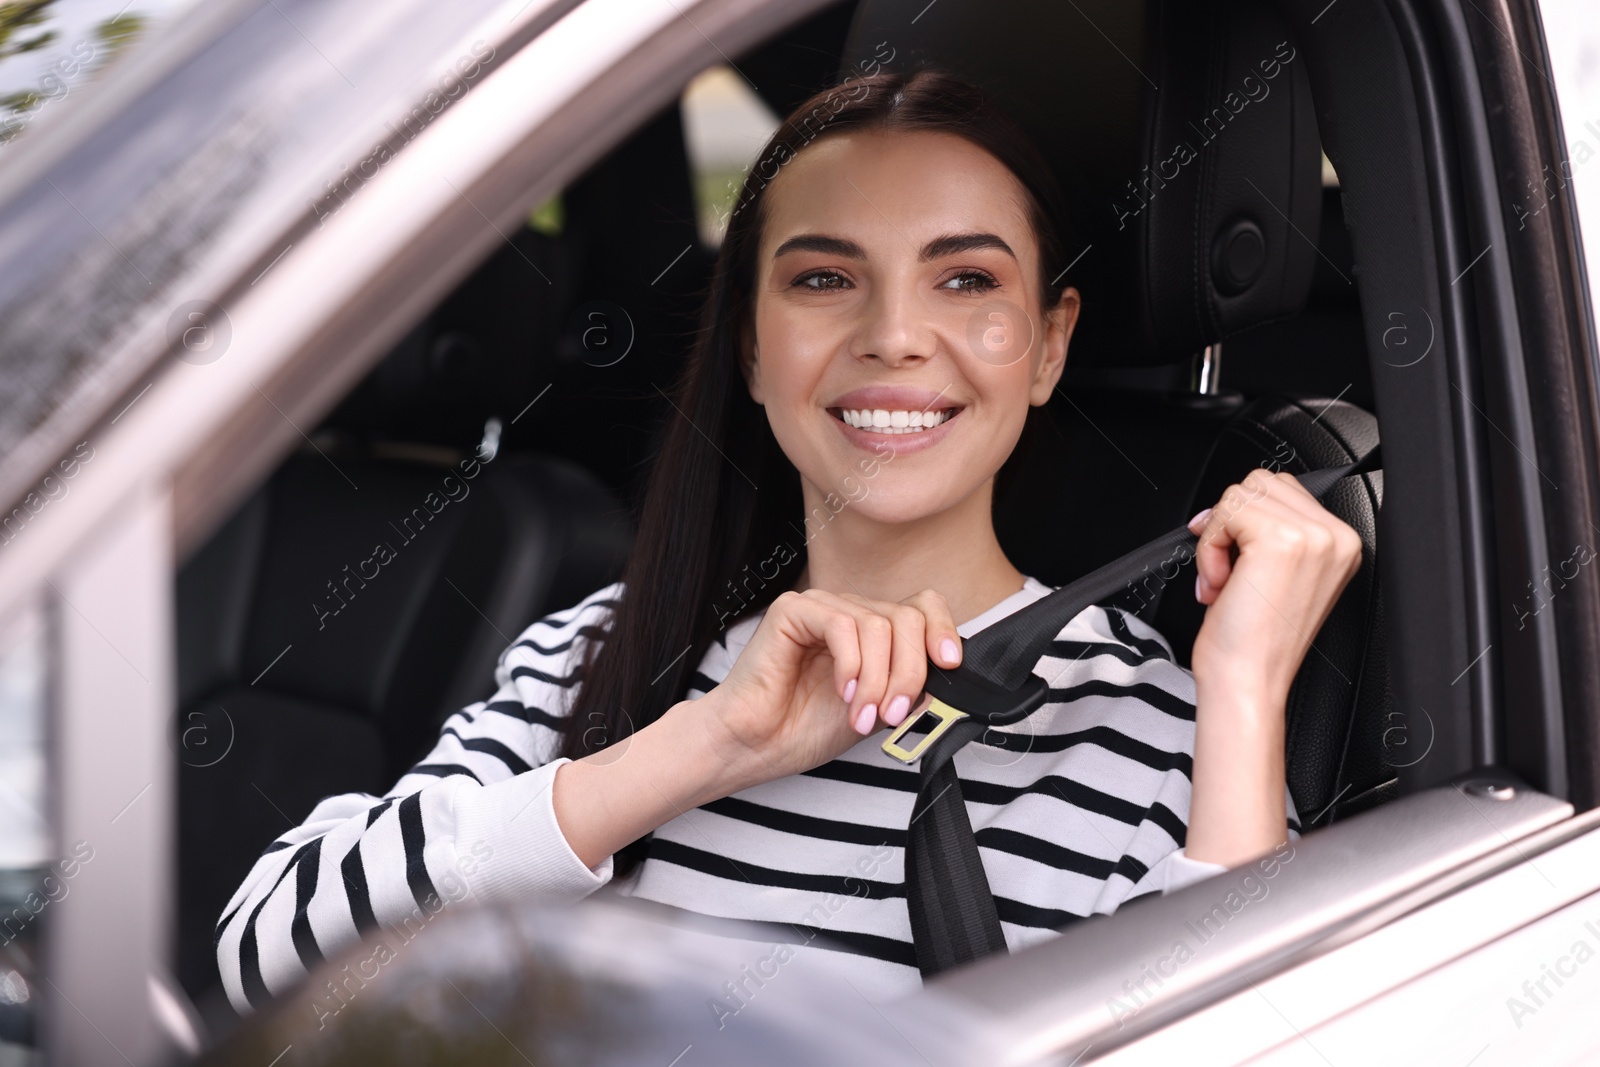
[891,421]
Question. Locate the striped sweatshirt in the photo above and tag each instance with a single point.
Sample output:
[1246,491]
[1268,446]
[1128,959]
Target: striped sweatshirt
[1077,809]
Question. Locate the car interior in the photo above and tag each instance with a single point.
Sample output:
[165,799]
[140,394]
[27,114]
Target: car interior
[499,449]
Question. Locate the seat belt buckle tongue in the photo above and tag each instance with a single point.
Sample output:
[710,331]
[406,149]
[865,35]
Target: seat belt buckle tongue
[960,694]
[947,717]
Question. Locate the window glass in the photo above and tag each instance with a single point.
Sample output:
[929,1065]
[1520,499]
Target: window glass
[24,841]
[51,49]
[1572,33]
[202,149]
[25,844]
[725,124]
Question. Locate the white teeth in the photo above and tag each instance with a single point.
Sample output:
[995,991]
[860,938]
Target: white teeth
[879,420]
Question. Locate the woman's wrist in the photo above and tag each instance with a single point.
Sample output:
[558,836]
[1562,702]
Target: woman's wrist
[1249,682]
[617,795]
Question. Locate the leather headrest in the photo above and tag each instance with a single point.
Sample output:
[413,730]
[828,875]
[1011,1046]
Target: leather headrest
[1183,137]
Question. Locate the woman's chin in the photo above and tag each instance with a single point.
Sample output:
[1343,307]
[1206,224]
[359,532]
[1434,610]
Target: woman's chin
[887,501]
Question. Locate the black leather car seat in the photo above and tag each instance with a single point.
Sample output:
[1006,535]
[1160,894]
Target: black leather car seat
[1174,251]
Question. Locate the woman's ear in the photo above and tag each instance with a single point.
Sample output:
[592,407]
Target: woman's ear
[1059,322]
[750,363]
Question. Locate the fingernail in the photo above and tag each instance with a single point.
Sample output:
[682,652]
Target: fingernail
[1199,588]
[849,690]
[949,651]
[896,712]
[1199,520]
[865,718]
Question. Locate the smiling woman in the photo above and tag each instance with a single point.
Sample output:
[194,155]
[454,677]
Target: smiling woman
[887,309]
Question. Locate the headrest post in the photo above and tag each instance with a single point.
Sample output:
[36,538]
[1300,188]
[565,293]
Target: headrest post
[1207,368]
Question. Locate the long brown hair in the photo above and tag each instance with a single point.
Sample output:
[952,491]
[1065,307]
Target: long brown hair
[720,529]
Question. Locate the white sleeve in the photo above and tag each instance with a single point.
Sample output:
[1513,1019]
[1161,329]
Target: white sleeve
[1177,869]
[472,819]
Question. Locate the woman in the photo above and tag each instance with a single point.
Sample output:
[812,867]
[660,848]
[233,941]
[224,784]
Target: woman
[886,311]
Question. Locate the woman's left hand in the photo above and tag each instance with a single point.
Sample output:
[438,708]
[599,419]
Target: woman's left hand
[1272,562]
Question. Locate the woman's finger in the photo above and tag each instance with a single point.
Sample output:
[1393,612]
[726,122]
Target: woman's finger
[844,647]
[876,637]
[943,641]
[894,660]
[1346,545]
[816,621]
[1275,511]
[1213,557]
[908,668]
[1226,527]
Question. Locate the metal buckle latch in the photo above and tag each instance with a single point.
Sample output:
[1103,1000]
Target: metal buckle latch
[948,716]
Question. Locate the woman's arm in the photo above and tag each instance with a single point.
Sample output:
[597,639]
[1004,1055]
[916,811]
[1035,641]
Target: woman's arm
[1236,810]
[615,796]
[1272,562]
[471,819]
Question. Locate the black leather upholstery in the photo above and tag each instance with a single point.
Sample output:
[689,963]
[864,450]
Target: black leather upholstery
[1100,471]
[312,664]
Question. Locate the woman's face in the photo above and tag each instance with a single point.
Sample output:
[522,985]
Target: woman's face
[897,282]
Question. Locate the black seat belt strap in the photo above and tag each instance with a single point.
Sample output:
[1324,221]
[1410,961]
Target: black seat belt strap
[953,915]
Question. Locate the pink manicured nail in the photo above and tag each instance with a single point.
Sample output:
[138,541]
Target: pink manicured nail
[1199,520]
[849,690]
[897,710]
[949,650]
[1199,588]
[865,718]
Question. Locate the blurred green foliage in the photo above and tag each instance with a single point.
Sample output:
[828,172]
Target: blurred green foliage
[22,30]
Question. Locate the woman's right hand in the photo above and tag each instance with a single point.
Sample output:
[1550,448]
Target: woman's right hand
[822,671]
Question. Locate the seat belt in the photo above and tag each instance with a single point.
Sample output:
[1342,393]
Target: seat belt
[953,915]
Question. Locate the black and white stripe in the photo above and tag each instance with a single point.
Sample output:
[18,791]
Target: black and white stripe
[360,861]
[1076,810]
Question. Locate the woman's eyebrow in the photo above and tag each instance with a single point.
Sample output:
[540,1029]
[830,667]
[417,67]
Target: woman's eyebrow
[816,242]
[956,243]
[949,245]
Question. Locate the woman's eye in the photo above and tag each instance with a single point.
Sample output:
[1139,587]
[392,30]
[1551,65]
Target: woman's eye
[971,281]
[822,280]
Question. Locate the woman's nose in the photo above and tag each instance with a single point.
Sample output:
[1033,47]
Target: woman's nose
[896,327]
